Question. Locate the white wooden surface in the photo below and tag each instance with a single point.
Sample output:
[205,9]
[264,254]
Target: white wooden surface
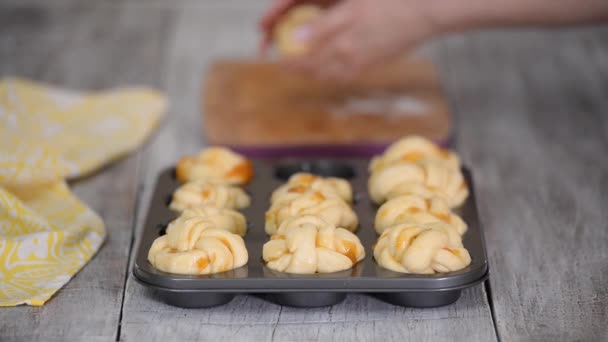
[532,123]
[88,49]
[535,130]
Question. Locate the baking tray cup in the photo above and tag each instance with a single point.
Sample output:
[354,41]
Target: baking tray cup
[312,290]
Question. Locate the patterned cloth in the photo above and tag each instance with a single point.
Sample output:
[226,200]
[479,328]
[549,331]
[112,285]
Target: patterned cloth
[47,135]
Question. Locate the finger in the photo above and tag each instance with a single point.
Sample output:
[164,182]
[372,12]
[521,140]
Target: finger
[340,56]
[277,10]
[322,30]
[332,21]
[264,46]
[269,21]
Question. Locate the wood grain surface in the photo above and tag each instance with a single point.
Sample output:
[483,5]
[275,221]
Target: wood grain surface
[531,120]
[275,108]
[85,49]
[535,131]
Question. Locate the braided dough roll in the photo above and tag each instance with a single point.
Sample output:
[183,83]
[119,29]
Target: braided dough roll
[445,182]
[193,245]
[331,209]
[414,149]
[198,194]
[308,244]
[301,182]
[420,248]
[217,165]
[416,209]
[220,218]
[285,32]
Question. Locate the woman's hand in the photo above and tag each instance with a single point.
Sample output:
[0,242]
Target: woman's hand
[276,11]
[354,34]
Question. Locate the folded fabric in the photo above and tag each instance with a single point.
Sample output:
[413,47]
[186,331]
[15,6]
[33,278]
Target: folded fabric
[48,135]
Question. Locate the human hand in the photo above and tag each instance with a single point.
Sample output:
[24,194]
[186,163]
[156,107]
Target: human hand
[275,13]
[355,34]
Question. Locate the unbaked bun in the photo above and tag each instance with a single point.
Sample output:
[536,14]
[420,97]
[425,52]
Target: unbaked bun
[198,194]
[333,210]
[414,149]
[416,209]
[301,182]
[216,165]
[286,31]
[308,244]
[193,245]
[420,248]
[221,218]
[445,182]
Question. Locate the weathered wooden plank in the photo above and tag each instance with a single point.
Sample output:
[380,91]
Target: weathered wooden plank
[85,48]
[358,318]
[201,36]
[533,125]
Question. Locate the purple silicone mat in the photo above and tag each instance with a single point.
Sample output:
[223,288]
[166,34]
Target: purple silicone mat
[305,290]
[361,150]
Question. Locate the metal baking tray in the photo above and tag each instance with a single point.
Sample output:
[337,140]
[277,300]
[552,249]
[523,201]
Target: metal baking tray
[314,290]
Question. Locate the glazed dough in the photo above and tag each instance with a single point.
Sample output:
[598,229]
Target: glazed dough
[216,165]
[420,248]
[308,244]
[417,189]
[416,209]
[445,182]
[193,245]
[285,32]
[333,210]
[414,149]
[221,218]
[302,182]
[198,194]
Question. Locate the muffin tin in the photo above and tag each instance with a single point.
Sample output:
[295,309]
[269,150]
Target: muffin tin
[314,290]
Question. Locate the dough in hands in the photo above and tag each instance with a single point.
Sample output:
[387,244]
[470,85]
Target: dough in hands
[221,218]
[301,182]
[285,33]
[331,209]
[198,194]
[420,248]
[308,244]
[445,182]
[414,149]
[216,165]
[416,209]
[194,245]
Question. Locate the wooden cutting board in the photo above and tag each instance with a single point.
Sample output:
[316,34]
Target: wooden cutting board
[252,104]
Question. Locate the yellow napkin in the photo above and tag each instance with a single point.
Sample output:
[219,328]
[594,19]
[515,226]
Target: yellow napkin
[49,134]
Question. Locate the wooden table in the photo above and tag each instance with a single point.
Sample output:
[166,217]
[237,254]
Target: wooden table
[532,122]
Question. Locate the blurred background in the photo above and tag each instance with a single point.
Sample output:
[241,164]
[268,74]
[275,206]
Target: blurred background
[170,44]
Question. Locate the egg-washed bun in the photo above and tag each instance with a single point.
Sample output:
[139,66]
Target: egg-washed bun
[308,244]
[442,180]
[285,32]
[194,245]
[221,218]
[197,194]
[331,209]
[217,165]
[420,248]
[302,182]
[414,149]
[416,209]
